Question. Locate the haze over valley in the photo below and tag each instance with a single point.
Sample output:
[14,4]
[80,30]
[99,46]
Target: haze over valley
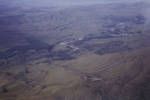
[74,50]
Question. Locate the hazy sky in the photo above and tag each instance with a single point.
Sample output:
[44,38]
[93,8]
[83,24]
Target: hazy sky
[61,2]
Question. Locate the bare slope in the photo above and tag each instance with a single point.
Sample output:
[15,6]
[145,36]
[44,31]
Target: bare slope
[118,76]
